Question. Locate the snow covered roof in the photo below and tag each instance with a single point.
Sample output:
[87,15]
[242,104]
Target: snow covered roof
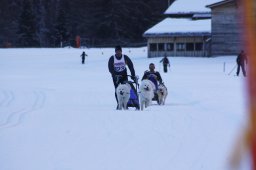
[189,7]
[181,27]
[219,3]
[204,15]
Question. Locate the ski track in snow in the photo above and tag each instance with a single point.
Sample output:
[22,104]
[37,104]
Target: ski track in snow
[8,98]
[12,119]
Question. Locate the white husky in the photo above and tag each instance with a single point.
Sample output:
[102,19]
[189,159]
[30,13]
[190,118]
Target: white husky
[162,93]
[123,95]
[146,93]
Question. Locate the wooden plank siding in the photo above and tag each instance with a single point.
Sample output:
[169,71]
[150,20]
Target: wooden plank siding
[178,41]
[226,29]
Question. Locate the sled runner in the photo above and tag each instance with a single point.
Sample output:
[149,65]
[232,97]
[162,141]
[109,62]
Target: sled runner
[134,98]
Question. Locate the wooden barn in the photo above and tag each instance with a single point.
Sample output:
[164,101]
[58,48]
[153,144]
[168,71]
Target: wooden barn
[186,31]
[179,37]
[226,28]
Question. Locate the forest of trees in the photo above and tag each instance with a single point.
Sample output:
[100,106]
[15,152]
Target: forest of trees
[46,23]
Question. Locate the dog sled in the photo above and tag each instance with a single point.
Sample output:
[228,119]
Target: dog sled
[134,98]
[155,98]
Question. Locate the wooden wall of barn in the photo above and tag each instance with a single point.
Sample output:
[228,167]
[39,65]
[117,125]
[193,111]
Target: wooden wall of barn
[175,41]
[226,29]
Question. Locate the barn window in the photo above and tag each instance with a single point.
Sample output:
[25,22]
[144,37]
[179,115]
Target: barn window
[153,47]
[199,46]
[181,46]
[161,47]
[169,46]
[190,46]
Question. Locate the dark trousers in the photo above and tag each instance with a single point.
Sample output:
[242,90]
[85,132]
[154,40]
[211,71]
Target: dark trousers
[243,69]
[165,68]
[83,60]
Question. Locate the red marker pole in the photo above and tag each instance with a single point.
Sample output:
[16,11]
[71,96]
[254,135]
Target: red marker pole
[78,41]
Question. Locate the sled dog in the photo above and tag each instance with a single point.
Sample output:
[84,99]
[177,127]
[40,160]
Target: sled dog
[123,95]
[146,93]
[162,93]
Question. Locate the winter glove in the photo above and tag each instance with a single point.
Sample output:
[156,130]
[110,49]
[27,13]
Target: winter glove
[133,78]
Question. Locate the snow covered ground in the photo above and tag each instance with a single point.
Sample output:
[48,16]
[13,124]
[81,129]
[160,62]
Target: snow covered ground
[57,114]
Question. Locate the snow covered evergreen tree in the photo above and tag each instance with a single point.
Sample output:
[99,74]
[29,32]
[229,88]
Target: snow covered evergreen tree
[61,33]
[27,33]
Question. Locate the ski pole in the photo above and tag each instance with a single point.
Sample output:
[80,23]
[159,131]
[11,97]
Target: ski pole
[232,70]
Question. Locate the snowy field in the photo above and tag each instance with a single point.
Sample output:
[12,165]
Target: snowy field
[57,114]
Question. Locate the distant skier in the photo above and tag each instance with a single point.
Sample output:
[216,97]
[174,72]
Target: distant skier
[241,60]
[165,62]
[83,55]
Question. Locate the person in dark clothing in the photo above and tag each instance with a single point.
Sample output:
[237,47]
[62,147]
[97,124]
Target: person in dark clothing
[117,67]
[83,57]
[241,60]
[165,62]
[153,75]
